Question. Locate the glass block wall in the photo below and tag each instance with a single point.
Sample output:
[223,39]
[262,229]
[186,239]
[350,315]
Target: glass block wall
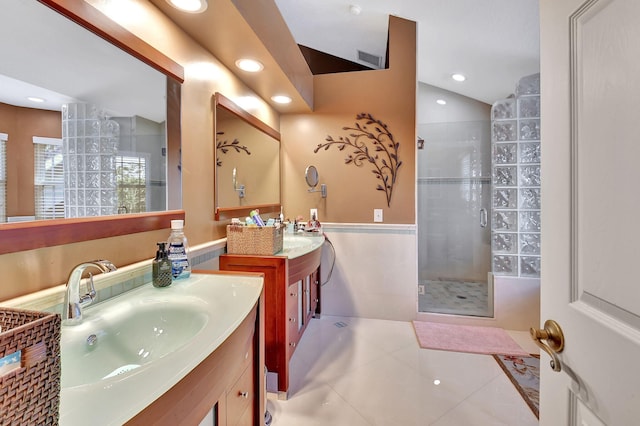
[515,140]
[89,146]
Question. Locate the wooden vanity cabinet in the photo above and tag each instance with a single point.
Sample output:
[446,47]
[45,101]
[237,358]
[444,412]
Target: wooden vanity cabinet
[292,298]
[231,380]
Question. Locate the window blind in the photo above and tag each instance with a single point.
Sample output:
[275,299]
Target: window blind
[48,178]
[131,181]
[3,177]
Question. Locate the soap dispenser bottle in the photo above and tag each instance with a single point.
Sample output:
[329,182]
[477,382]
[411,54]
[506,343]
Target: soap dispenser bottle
[161,269]
[179,251]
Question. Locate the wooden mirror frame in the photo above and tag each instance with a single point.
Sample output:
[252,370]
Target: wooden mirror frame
[46,233]
[222,213]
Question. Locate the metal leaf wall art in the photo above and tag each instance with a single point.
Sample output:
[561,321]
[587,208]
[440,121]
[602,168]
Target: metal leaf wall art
[370,142]
[226,146]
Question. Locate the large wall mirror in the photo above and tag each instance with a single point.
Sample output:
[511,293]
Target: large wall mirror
[103,144]
[247,162]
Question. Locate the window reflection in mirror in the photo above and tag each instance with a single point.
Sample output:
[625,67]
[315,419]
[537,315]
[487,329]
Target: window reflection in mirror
[249,147]
[64,64]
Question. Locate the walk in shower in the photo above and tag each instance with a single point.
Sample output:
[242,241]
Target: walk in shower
[454,228]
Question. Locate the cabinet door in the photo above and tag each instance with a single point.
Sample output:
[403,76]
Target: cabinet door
[307,299]
[240,400]
[314,291]
[294,316]
[241,395]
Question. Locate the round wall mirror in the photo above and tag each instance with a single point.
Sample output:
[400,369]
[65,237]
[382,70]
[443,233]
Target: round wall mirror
[311,176]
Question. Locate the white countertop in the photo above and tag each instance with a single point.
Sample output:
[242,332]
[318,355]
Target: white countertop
[227,300]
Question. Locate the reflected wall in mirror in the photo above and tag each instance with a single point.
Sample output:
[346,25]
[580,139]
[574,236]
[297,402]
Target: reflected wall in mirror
[247,161]
[97,143]
[87,21]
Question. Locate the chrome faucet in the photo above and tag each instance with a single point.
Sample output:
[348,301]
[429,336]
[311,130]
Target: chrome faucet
[73,302]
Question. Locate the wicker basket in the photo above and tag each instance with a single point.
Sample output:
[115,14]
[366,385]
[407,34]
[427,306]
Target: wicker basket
[262,241]
[30,394]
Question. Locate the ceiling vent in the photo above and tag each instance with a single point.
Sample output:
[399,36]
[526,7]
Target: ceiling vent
[370,58]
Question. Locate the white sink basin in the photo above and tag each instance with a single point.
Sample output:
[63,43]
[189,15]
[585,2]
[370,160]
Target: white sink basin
[144,342]
[125,336]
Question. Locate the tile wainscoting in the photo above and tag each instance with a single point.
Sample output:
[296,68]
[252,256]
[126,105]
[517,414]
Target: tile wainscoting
[375,273]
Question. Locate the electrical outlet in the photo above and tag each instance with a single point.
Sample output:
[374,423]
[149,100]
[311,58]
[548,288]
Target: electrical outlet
[377,215]
[313,213]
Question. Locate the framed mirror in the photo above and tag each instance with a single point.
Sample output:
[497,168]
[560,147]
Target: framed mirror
[247,162]
[146,124]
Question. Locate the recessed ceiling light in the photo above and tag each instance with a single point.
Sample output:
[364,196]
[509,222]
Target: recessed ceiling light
[441,102]
[281,99]
[35,99]
[355,9]
[191,6]
[249,65]
[458,77]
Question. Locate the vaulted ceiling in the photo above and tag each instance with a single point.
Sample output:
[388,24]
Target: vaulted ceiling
[492,42]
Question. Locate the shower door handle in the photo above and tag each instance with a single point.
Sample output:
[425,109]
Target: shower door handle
[483,218]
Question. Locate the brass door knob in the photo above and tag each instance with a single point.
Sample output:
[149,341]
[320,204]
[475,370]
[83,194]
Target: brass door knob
[553,341]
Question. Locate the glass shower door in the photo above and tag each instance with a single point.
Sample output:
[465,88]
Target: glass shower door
[454,232]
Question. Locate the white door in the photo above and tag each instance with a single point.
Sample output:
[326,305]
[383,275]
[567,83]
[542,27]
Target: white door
[590,85]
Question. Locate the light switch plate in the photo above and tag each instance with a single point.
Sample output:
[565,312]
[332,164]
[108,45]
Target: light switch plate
[377,215]
[313,213]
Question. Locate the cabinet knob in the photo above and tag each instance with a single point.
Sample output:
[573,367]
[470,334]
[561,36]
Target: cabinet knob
[244,395]
[293,294]
[292,344]
[292,319]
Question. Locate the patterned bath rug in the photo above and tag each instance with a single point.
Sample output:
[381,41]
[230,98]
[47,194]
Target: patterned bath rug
[524,373]
[466,338]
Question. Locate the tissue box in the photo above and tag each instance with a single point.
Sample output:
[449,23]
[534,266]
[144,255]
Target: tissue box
[255,240]
[30,392]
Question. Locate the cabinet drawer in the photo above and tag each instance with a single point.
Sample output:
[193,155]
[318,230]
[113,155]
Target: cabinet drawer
[240,400]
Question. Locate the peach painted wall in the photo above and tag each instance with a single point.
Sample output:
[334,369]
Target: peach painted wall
[22,124]
[33,270]
[389,96]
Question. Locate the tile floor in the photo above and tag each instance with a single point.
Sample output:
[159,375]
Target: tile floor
[455,297]
[372,372]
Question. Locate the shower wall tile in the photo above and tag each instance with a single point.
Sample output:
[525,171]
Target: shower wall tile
[505,242]
[529,152]
[530,176]
[504,109]
[505,265]
[529,129]
[505,175]
[505,221]
[505,198]
[90,144]
[530,221]
[516,165]
[529,106]
[529,266]
[529,243]
[529,85]
[530,198]
[504,131]
[505,153]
